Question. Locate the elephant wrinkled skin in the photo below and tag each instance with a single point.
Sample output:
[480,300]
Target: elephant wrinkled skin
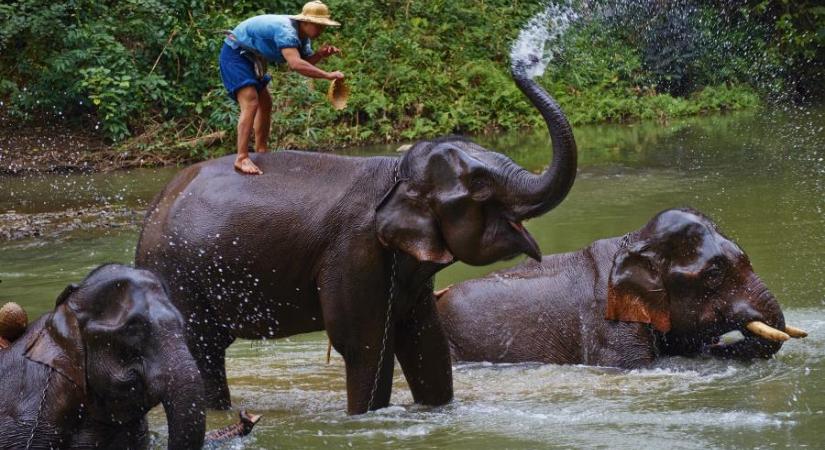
[671,288]
[86,374]
[318,241]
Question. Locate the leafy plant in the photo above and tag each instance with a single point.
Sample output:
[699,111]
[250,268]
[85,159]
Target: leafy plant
[145,71]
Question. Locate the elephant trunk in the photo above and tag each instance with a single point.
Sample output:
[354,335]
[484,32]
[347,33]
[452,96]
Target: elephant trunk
[534,195]
[762,300]
[774,326]
[183,400]
[757,313]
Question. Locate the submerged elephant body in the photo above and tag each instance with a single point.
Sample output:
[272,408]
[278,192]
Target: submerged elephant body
[86,374]
[327,242]
[672,288]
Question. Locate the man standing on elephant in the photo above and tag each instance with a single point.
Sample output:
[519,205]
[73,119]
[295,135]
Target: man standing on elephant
[276,39]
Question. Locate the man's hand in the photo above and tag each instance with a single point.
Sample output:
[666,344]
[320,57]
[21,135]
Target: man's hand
[327,50]
[337,75]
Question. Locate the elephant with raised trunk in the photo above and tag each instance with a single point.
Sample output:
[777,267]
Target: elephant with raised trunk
[86,374]
[677,286]
[345,244]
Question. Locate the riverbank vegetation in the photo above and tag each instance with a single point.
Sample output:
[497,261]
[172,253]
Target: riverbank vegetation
[143,73]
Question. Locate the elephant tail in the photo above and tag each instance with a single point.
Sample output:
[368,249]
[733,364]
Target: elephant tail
[242,428]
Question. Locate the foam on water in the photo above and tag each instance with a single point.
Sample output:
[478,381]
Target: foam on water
[539,40]
[528,403]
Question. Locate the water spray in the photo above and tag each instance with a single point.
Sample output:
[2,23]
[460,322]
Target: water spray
[539,40]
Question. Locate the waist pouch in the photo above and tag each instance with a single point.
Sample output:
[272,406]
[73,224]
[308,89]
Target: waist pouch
[258,61]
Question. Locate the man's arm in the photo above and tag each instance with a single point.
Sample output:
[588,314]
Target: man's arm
[325,51]
[306,68]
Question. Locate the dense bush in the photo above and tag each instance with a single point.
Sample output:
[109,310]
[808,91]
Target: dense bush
[795,42]
[776,46]
[415,68]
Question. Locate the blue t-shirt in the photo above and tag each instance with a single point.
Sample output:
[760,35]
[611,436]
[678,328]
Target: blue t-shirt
[267,35]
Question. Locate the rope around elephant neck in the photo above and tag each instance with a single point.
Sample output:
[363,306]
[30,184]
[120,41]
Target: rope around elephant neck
[39,409]
[386,332]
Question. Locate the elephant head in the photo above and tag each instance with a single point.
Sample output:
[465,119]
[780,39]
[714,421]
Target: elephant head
[455,199]
[691,283]
[120,341]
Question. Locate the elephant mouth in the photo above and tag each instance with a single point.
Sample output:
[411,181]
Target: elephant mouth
[735,345]
[530,247]
[754,340]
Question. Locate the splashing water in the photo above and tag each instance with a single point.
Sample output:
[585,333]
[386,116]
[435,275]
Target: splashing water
[540,38]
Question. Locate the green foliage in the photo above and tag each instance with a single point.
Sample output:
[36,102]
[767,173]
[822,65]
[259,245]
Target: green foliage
[415,69]
[796,38]
[601,78]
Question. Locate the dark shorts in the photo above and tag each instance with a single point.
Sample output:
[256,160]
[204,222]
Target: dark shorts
[238,72]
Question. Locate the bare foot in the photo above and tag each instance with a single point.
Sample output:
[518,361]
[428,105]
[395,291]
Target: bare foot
[245,165]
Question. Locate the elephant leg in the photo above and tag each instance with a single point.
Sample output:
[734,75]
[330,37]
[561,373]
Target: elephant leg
[208,347]
[358,335]
[422,349]
[364,383]
[354,304]
[212,365]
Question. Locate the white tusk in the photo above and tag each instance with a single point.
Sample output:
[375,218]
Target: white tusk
[441,292]
[795,332]
[766,331]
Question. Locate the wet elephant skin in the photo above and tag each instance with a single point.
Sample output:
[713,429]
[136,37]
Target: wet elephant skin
[322,242]
[86,374]
[671,288]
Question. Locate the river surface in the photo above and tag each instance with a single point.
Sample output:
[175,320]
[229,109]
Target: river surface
[760,176]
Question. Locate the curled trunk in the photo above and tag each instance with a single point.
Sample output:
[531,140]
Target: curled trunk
[534,195]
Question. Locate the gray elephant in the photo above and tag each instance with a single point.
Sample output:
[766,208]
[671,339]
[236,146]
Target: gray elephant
[85,375]
[677,286]
[349,245]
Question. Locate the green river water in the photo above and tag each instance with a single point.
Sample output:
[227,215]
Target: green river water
[760,176]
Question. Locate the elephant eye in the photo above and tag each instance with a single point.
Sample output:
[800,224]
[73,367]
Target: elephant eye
[480,188]
[714,276]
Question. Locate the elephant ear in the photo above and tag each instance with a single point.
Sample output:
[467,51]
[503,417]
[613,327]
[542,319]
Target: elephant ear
[635,292]
[404,221]
[59,344]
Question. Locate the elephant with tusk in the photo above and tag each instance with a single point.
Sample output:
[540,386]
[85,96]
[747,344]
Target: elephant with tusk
[677,286]
[347,245]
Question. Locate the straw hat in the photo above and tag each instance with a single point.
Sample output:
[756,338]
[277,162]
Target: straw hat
[13,321]
[316,12]
[337,94]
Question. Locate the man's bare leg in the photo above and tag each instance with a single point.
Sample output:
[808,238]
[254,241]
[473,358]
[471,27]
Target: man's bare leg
[263,120]
[248,101]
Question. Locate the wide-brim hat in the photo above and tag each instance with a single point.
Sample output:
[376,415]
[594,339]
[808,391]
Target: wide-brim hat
[316,12]
[13,321]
